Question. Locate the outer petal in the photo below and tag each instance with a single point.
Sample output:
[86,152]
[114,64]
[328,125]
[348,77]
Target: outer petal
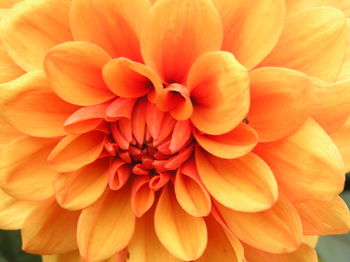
[219,92]
[13,212]
[68,257]
[7,132]
[109,220]
[182,235]
[251,30]
[31,95]
[8,69]
[345,70]
[324,217]
[245,184]
[317,48]
[297,5]
[74,70]
[116,25]
[276,230]
[76,151]
[49,229]
[32,28]
[24,172]
[173,36]
[342,139]
[81,188]
[280,102]
[310,159]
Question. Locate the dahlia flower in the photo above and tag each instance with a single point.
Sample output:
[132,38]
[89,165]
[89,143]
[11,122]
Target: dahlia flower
[174,130]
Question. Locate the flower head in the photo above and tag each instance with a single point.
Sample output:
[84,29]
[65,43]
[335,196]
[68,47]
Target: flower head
[177,130]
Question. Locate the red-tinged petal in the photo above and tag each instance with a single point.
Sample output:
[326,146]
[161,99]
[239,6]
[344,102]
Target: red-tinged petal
[317,48]
[245,184]
[7,132]
[45,112]
[68,257]
[331,105]
[8,69]
[281,102]
[142,197]
[74,70]
[139,121]
[110,220]
[76,151]
[24,172]
[251,31]
[50,229]
[86,119]
[145,246]
[181,234]
[190,192]
[344,73]
[118,174]
[120,108]
[13,212]
[236,143]
[310,159]
[304,253]
[276,230]
[173,36]
[219,92]
[80,189]
[180,136]
[154,120]
[129,79]
[342,139]
[32,27]
[324,217]
[116,25]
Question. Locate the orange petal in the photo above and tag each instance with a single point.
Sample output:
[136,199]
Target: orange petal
[310,159]
[173,36]
[342,139]
[8,3]
[142,197]
[311,240]
[8,69]
[331,105]
[31,95]
[181,234]
[129,79]
[68,257]
[234,144]
[7,132]
[23,163]
[120,108]
[74,70]
[317,48]
[13,212]
[32,28]
[80,189]
[294,6]
[76,151]
[345,70]
[280,102]
[324,217]
[116,25]
[304,253]
[115,225]
[251,31]
[49,229]
[145,246]
[276,230]
[190,192]
[244,184]
[219,92]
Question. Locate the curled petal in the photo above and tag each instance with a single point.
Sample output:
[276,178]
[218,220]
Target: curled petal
[219,88]
[120,108]
[142,197]
[118,174]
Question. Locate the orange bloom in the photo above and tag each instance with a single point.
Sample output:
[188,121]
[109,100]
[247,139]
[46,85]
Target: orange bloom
[174,130]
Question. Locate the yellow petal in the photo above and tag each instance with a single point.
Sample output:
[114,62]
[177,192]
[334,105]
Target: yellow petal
[311,240]
[342,139]
[344,73]
[276,230]
[8,69]
[244,184]
[280,102]
[13,212]
[68,257]
[310,159]
[294,6]
[74,71]
[29,104]
[107,226]
[32,28]
[324,217]
[181,234]
[173,36]
[219,88]
[81,188]
[49,229]
[251,30]
[317,48]
[24,172]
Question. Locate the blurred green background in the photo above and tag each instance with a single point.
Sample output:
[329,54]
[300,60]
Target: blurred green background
[330,248]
